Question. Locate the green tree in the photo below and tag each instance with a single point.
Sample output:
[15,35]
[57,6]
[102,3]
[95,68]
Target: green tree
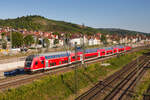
[28,40]
[56,41]
[103,39]
[17,39]
[57,33]
[3,42]
[46,43]
[3,34]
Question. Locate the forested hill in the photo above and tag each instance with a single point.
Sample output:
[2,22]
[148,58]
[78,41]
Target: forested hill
[36,22]
[120,31]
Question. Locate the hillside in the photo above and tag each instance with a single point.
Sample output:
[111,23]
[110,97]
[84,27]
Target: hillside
[120,31]
[36,22]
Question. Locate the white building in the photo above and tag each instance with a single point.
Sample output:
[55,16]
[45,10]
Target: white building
[51,41]
[61,42]
[77,40]
[93,41]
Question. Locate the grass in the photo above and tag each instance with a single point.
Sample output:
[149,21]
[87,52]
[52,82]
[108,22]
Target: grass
[142,86]
[61,87]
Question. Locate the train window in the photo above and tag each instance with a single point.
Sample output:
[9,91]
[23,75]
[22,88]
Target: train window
[63,62]
[36,62]
[109,52]
[51,64]
[66,61]
[59,62]
[73,57]
[42,61]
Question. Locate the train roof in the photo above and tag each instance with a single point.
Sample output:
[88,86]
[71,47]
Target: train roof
[56,54]
[91,50]
[119,46]
[68,53]
[108,48]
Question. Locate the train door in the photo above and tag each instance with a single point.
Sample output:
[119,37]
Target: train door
[46,64]
[98,54]
[42,62]
[117,50]
[69,59]
[124,49]
[81,57]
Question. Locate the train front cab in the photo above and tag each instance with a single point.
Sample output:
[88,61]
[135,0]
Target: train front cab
[38,64]
[34,63]
[29,63]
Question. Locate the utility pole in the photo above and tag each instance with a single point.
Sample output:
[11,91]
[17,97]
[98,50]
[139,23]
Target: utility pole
[75,72]
[37,40]
[67,40]
[65,43]
[83,63]
[11,41]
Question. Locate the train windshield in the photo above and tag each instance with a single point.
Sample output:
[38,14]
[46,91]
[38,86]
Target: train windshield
[29,60]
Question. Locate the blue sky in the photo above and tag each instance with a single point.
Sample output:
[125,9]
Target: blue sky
[125,14]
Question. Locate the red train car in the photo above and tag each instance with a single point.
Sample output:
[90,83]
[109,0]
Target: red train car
[127,48]
[109,51]
[58,59]
[46,61]
[79,56]
[120,49]
[102,52]
[91,54]
[115,50]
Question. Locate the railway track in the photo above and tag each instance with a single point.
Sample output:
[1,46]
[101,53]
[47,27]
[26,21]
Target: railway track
[126,84]
[23,79]
[147,94]
[120,85]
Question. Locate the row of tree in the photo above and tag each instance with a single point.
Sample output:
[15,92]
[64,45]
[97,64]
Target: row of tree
[18,40]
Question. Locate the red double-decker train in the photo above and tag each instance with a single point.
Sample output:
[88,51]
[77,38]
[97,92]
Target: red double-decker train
[47,61]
